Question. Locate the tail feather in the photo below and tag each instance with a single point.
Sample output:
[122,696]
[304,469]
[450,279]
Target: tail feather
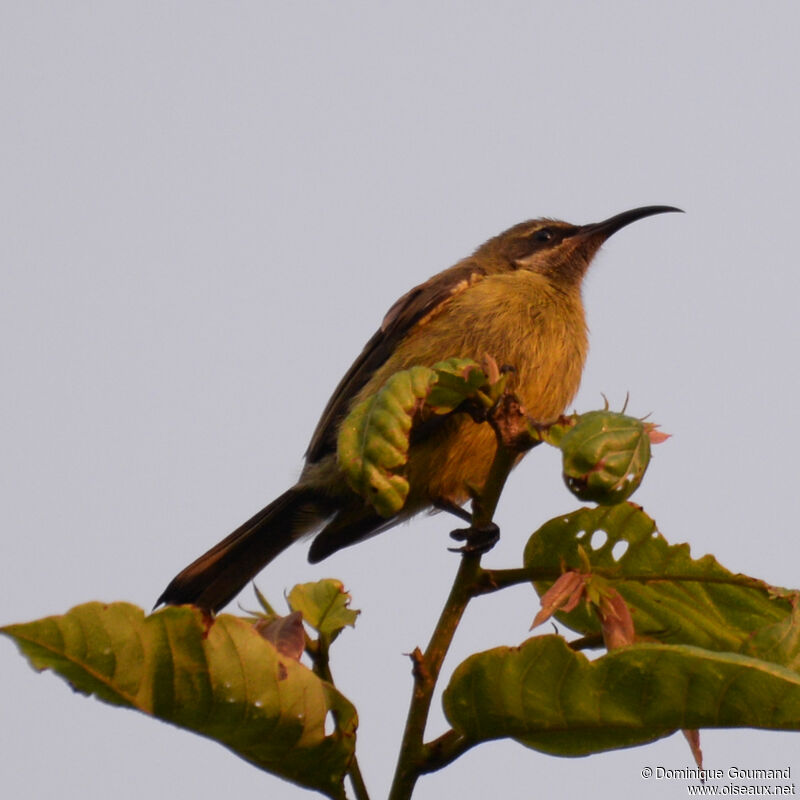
[215,578]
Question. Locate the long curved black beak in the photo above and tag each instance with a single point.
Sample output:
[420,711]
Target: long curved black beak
[611,225]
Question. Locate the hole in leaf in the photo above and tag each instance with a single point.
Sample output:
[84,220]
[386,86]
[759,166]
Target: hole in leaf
[330,724]
[599,538]
[618,550]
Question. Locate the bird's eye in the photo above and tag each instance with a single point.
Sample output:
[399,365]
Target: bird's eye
[544,235]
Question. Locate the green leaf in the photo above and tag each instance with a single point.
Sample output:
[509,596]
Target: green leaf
[372,447]
[324,605]
[373,439]
[457,379]
[779,642]
[550,698]
[673,597]
[220,679]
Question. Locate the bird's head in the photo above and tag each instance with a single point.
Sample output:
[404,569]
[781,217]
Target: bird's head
[560,250]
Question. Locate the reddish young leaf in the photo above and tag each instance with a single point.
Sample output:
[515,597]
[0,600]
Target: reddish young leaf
[563,595]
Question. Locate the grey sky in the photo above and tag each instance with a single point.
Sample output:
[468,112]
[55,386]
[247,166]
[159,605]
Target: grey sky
[206,210]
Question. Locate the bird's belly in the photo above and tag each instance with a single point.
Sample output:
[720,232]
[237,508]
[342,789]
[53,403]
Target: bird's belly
[449,461]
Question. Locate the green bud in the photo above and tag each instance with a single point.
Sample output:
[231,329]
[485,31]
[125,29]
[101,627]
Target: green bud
[605,456]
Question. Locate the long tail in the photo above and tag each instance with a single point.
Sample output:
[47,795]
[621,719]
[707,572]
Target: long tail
[219,575]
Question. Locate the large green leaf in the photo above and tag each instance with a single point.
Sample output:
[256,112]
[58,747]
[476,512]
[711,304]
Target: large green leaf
[553,699]
[220,679]
[673,597]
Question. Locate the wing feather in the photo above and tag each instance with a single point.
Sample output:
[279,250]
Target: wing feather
[414,307]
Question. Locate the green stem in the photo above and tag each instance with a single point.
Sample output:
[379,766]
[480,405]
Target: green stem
[357,781]
[485,504]
[446,749]
[320,661]
[493,580]
[414,754]
[416,757]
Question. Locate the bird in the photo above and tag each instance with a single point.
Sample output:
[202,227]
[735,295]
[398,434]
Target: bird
[517,299]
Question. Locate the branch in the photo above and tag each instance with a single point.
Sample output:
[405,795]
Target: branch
[318,651]
[446,749]
[416,757]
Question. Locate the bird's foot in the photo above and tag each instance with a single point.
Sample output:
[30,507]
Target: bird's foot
[477,540]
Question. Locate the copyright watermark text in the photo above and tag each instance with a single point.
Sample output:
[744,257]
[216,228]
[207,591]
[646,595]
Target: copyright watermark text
[738,780]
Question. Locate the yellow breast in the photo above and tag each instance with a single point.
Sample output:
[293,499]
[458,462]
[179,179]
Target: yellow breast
[520,320]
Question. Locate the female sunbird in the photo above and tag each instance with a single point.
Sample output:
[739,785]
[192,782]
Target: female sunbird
[517,299]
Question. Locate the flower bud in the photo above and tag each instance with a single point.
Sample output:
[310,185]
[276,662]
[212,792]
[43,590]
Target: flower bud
[605,456]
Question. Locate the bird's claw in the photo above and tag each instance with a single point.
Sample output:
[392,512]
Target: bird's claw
[477,540]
